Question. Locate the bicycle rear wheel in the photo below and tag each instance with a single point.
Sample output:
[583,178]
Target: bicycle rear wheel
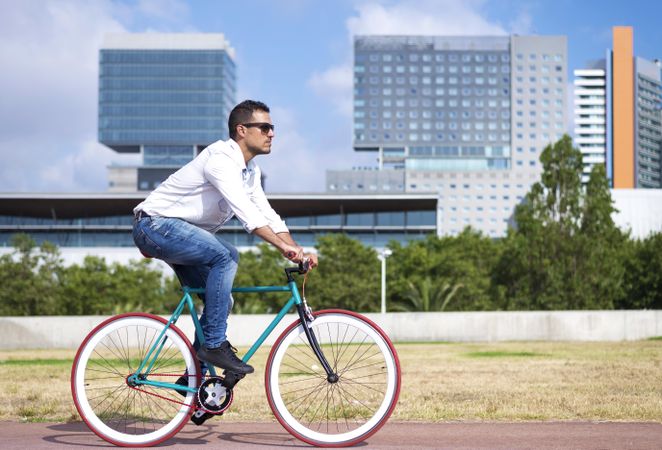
[117,412]
[333,414]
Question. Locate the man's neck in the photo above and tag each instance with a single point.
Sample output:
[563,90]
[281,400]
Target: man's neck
[246,153]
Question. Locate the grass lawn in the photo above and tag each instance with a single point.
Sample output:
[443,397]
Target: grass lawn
[512,381]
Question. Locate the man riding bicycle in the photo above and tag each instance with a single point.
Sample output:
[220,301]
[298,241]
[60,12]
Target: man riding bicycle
[177,221]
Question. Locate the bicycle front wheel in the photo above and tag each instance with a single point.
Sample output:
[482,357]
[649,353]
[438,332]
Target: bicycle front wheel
[333,414]
[118,412]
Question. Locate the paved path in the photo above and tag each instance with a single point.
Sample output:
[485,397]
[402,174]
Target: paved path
[396,435]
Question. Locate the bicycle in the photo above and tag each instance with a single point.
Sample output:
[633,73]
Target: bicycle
[332,377]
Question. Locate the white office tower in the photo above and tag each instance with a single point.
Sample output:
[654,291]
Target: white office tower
[591,116]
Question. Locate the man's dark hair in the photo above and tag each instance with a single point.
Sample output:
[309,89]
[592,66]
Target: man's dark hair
[242,113]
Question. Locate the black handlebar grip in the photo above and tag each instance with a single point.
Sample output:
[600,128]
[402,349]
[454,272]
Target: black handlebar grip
[304,266]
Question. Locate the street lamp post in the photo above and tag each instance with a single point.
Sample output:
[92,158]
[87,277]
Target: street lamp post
[385,253]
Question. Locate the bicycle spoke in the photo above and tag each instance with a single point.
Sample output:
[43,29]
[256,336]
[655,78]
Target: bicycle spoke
[340,342]
[169,362]
[313,391]
[376,363]
[348,344]
[351,358]
[305,349]
[107,366]
[110,365]
[314,400]
[108,395]
[349,394]
[300,368]
[333,352]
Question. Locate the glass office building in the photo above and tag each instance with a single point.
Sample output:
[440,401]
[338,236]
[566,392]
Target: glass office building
[164,96]
[462,116]
[648,119]
[433,103]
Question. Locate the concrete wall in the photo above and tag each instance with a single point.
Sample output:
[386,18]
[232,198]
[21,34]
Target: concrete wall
[69,332]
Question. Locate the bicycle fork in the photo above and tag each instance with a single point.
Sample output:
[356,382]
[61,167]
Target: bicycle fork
[306,316]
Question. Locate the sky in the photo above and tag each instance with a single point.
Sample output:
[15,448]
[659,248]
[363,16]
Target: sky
[295,55]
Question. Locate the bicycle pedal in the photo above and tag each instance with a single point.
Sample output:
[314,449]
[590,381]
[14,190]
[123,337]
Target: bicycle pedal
[182,381]
[200,416]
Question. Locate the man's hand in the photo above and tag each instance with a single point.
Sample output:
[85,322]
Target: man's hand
[312,258]
[292,252]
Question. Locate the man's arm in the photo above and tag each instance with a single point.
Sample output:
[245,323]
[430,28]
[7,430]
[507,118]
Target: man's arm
[285,244]
[287,237]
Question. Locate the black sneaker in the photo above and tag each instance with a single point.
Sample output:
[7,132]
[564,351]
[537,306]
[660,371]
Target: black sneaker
[224,357]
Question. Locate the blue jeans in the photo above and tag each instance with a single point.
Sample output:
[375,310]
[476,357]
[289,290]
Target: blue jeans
[200,260]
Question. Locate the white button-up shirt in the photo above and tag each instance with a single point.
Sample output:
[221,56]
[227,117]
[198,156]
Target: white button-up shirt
[211,189]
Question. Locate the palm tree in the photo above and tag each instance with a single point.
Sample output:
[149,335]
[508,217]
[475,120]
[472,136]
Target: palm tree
[427,296]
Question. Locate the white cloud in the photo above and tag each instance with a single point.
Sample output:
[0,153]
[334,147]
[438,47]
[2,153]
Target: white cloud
[167,10]
[298,163]
[428,17]
[522,24]
[407,17]
[49,105]
[48,112]
[294,163]
[335,84]
[85,167]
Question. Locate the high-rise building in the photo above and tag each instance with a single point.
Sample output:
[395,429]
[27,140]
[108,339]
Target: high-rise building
[618,115]
[591,115]
[648,120]
[466,117]
[165,97]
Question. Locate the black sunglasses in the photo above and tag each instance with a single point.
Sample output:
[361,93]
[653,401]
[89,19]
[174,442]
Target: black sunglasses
[264,127]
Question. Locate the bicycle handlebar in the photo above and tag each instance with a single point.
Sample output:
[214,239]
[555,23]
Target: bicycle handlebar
[302,268]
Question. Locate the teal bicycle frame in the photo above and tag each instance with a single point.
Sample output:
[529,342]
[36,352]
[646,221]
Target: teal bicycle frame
[145,368]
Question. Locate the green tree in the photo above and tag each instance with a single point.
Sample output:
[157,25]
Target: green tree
[263,267]
[348,275]
[643,274]
[565,242]
[30,278]
[94,287]
[466,260]
[429,295]
[601,246]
